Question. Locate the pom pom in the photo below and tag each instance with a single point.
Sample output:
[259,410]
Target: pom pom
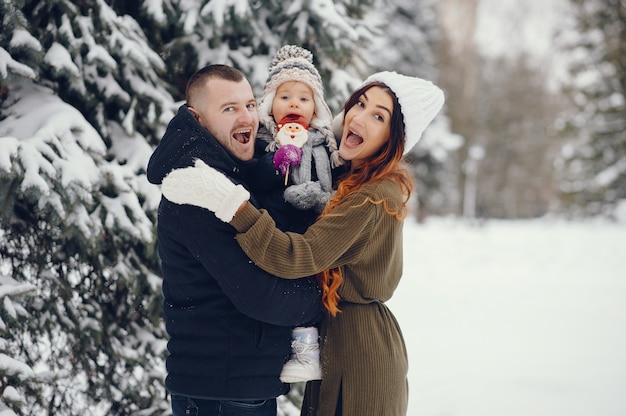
[291,52]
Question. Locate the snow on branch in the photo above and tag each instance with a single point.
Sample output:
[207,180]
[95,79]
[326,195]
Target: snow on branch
[23,39]
[60,60]
[217,9]
[8,64]
[61,162]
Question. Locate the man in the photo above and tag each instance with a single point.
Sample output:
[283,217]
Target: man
[229,322]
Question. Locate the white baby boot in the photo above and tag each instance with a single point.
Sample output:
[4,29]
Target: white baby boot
[304,361]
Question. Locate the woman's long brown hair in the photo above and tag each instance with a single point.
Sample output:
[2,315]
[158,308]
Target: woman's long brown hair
[384,164]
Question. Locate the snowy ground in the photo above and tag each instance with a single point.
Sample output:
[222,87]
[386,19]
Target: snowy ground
[514,318]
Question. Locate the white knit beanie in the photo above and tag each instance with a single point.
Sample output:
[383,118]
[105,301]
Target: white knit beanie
[293,63]
[419,100]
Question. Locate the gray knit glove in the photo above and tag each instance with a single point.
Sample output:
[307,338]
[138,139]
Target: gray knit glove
[205,187]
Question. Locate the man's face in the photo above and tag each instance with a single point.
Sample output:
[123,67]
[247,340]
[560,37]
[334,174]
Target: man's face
[229,112]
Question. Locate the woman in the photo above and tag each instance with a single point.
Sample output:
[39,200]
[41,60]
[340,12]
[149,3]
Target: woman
[355,246]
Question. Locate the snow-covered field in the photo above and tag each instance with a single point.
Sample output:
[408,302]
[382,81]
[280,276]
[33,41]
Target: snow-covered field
[522,318]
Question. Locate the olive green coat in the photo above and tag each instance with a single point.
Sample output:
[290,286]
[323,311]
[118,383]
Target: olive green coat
[363,353]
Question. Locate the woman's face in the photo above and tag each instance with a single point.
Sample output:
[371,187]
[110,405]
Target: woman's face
[367,126]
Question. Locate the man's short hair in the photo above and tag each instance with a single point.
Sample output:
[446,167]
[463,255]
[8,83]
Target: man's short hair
[199,79]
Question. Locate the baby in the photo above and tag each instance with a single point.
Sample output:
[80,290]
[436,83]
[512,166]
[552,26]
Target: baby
[294,89]
[299,145]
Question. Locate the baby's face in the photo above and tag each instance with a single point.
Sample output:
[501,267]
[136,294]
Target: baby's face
[293,97]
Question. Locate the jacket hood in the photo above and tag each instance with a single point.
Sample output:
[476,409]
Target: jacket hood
[186,140]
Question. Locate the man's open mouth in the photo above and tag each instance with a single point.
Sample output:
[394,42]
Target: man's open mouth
[242,136]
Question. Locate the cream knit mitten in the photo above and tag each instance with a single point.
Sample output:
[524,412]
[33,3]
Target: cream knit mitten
[205,187]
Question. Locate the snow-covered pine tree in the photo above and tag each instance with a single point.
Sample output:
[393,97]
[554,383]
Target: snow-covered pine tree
[408,33]
[247,34]
[81,94]
[593,165]
[14,372]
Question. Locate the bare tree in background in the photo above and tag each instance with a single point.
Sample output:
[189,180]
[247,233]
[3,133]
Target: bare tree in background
[458,75]
[504,110]
[515,114]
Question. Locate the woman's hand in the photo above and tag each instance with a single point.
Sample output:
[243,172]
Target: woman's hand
[205,187]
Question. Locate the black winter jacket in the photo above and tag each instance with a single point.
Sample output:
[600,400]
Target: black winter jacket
[229,322]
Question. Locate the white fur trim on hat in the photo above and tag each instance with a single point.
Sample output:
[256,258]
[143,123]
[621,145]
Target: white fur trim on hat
[293,63]
[419,100]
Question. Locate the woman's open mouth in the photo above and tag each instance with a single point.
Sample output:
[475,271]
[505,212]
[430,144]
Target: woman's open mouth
[353,139]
